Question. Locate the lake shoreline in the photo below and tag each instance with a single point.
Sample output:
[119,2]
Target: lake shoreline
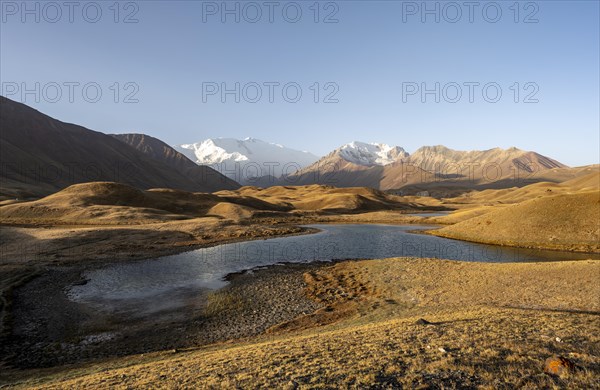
[52,330]
[47,289]
[284,297]
[579,249]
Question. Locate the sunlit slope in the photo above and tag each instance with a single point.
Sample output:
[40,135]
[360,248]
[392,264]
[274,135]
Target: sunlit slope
[585,179]
[569,222]
[115,203]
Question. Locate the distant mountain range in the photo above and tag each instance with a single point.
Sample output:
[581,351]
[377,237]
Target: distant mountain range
[249,161]
[158,150]
[430,168]
[438,169]
[40,155]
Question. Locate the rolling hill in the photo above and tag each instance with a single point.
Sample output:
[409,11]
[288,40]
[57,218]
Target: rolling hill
[564,222]
[109,203]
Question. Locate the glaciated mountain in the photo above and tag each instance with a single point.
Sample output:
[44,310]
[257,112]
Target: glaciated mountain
[355,164]
[362,153]
[249,161]
[435,169]
[208,178]
[40,155]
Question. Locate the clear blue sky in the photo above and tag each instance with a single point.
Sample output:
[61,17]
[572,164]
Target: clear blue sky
[369,53]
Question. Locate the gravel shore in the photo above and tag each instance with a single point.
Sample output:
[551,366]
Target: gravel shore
[50,330]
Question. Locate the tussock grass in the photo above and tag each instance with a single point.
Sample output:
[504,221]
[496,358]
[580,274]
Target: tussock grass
[222,301]
[516,317]
[484,349]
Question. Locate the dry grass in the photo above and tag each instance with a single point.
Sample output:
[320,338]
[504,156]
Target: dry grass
[586,179]
[463,215]
[495,323]
[219,302]
[567,222]
[482,349]
[475,339]
[105,203]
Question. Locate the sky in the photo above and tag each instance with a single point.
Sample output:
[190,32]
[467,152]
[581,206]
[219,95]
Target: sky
[315,75]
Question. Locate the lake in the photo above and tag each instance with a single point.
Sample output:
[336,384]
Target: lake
[148,286]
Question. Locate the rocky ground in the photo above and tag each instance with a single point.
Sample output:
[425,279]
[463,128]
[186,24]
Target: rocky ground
[49,329]
[397,323]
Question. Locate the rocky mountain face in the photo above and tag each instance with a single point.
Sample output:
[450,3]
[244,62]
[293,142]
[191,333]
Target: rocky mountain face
[40,155]
[205,176]
[430,169]
[434,158]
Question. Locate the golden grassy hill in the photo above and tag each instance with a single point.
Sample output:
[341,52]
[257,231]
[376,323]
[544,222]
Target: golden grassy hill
[561,175]
[586,180]
[115,203]
[474,204]
[566,222]
[326,198]
[339,202]
[590,181]
[231,211]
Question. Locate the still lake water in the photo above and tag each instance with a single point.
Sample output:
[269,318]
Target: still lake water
[168,282]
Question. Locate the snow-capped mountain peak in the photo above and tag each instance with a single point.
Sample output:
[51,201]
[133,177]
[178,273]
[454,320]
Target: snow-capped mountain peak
[245,160]
[208,152]
[370,154]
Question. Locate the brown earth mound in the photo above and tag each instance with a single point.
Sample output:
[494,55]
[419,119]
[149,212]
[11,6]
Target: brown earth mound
[587,179]
[231,211]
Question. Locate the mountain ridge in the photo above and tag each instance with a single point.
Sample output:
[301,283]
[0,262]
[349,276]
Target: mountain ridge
[248,161]
[389,168]
[40,155]
[161,151]
[427,166]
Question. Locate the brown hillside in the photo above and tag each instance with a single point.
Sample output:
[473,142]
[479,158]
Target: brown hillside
[107,202]
[326,198]
[41,155]
[569,222]
[206,177]
[585,179]
[438,170]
